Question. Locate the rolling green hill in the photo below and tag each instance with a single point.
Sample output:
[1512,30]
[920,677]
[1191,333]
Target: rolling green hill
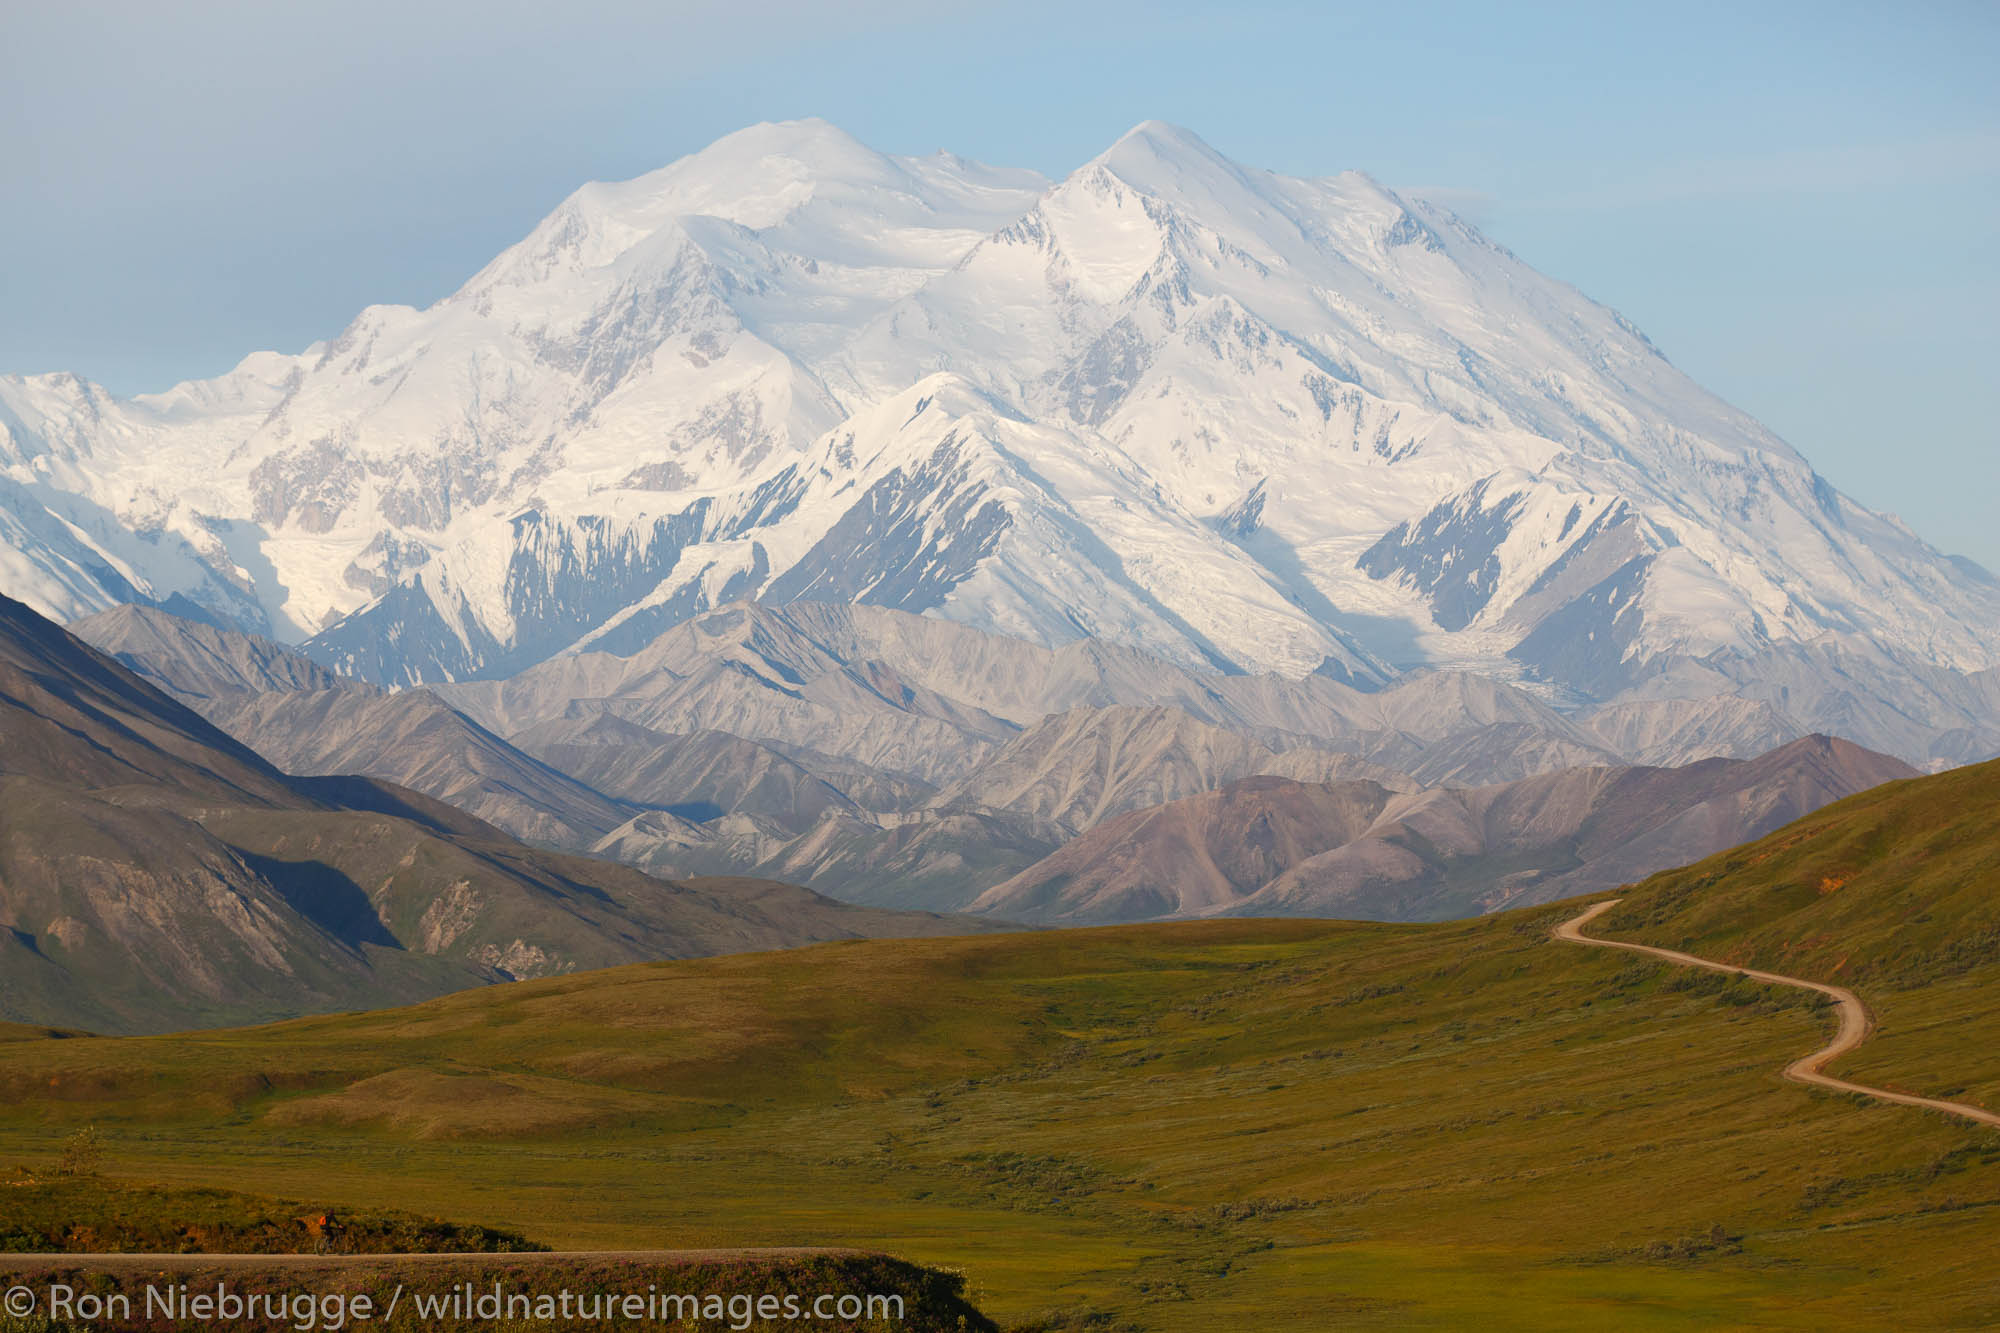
[1243,1123]
[1894,892]
[1898,886]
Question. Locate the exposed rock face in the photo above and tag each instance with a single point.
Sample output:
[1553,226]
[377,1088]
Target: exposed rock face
[807,681]
[194,661]
[663,843]
[933,701]
[1079,768]
[416,740]
[1190,856]
[308,720]
[1668,732]
[700,776]
[72,717]
[932,860]
[1267,846]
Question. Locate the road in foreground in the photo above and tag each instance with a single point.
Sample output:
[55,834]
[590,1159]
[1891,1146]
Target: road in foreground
[1855,1024]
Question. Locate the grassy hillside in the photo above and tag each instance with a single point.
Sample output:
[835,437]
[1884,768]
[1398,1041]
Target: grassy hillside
[1228,1124]
[1894,892]
[1898,886]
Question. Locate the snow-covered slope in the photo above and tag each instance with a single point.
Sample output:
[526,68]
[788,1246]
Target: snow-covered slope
[1243,421]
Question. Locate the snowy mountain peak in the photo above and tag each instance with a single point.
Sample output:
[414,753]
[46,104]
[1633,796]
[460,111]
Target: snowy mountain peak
[1186,180]
[756,177]
[1243,420]
[1157,146]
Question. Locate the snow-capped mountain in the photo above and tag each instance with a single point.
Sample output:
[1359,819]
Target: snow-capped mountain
[1244,421]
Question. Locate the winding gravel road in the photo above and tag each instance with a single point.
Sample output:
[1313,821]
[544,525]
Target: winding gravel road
[1855,1024]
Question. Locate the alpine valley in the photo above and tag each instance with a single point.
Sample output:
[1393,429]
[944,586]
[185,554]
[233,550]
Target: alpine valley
[1249,427]
[1182,747]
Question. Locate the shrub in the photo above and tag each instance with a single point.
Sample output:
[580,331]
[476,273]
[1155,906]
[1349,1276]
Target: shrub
[82,1153]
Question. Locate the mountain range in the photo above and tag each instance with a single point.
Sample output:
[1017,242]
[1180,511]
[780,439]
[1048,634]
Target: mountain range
[1273,847]
[1248,424]
[155,873]
[1241,794]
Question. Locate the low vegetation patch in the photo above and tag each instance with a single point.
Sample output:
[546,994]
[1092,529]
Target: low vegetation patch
[86,1214]
[1717,1240]
[1743,993]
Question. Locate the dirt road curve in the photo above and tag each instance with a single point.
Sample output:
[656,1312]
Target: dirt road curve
[1855,1025]
[104,1263]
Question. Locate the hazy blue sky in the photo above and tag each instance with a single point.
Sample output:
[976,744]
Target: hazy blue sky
[1799,203]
